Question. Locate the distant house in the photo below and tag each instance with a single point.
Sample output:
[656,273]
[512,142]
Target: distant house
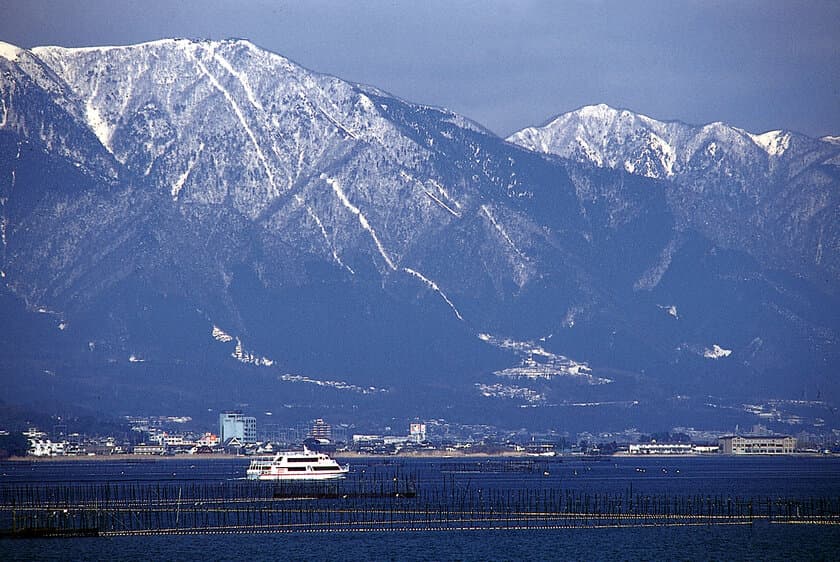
[233,446]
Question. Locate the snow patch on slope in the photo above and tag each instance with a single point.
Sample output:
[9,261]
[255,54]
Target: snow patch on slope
[221,335]
[500,229]
[433,286]
[774,143]
[323,230]
[97,123]
[336,187]
[538,363]
[242,78]
[339,385]
[716,352]
[670,309]
[409,178]
[179,183]
[243,356]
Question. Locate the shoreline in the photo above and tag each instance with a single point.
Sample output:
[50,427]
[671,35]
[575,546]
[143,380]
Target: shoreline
[425,455]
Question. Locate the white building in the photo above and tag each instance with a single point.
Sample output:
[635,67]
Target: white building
[417,432]
[762,445]
[235,424]
[660,448]
[46,448]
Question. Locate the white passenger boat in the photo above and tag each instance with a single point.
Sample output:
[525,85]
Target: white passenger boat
[305,465]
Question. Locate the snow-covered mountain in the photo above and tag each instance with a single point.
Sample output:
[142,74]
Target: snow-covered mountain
[196,224]
[774,194]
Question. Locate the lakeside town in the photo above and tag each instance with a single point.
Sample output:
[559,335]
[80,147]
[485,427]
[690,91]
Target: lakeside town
[239,434]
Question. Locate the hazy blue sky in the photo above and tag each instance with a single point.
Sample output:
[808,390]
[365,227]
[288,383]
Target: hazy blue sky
[758,65]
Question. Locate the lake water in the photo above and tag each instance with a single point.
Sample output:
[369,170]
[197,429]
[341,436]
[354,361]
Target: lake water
[481,481]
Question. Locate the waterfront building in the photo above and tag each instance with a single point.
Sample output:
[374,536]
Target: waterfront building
[236,424]
[759,445]
[655,448]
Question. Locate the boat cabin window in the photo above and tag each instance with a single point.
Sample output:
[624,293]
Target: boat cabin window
[303,459]
[296,468]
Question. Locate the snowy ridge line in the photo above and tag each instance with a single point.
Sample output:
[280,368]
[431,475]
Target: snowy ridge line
[501,231]
[326,237]
[243,79]
[179,183]
[333,183]
[433,286]
[240,116]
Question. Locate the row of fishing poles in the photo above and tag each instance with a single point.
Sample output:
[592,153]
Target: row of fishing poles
[378,502]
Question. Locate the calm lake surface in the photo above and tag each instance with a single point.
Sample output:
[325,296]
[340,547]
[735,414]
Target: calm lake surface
[782,477]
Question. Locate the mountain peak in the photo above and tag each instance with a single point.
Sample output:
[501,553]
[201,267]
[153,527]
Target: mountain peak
[622,139]
[599,110]
[600,134]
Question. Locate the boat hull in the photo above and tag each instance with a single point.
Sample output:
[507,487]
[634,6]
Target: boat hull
[297,477]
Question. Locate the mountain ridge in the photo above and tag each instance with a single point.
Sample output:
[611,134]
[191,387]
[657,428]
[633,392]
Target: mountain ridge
[720,173]
[336,234]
